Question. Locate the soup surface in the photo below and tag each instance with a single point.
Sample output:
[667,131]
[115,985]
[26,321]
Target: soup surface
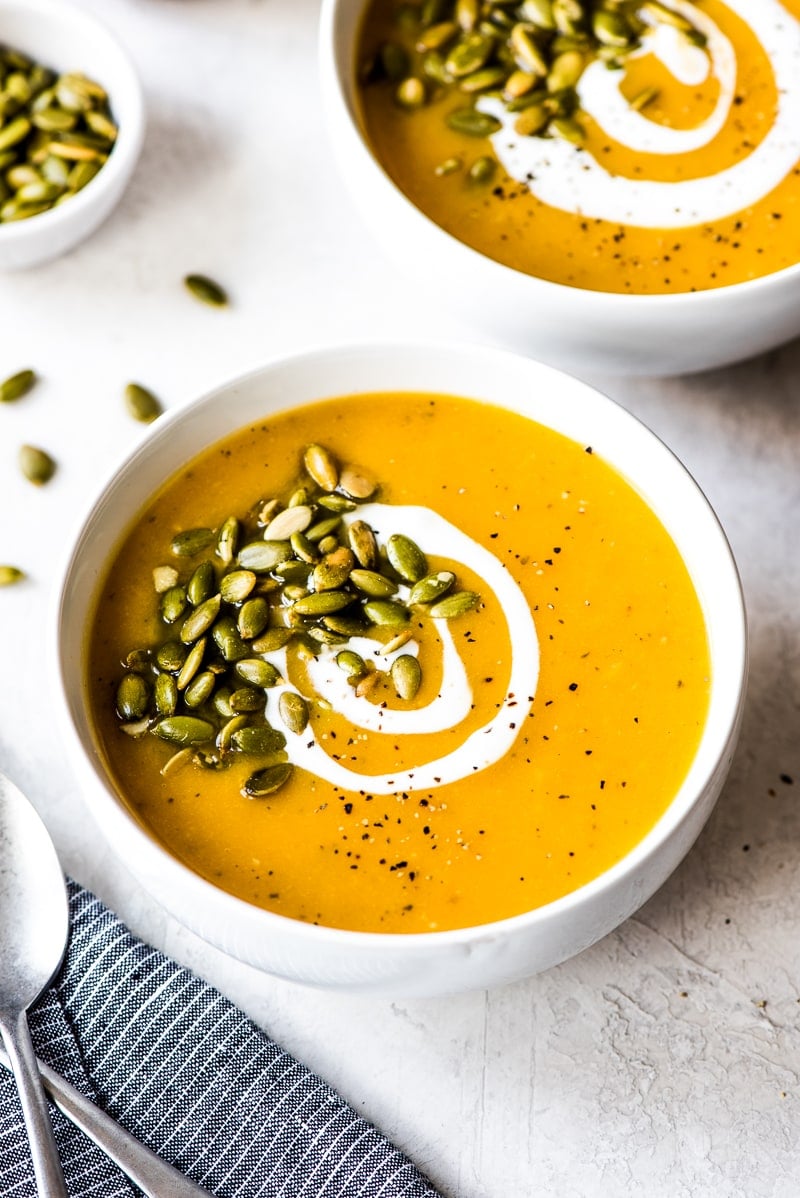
[553,710]
[672,165]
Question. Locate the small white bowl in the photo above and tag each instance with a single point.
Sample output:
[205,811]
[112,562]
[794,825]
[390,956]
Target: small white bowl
[62,37]
[577,329]
[438,962]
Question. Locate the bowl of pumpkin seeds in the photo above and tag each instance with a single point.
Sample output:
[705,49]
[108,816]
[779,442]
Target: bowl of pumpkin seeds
[71,128]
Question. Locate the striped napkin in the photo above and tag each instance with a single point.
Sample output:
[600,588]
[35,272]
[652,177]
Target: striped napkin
[184,1070]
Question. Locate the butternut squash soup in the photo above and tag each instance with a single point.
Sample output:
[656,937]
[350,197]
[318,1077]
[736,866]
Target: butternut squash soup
[642,146]
[398,662]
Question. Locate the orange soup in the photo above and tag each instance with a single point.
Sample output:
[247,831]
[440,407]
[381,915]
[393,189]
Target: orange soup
[398,663]
[639,146]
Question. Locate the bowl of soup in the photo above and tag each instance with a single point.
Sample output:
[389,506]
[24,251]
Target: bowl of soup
[606,187]
[403,668]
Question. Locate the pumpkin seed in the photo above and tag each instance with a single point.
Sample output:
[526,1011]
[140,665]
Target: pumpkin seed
[221,702]
[323,603]
[482,170]
[191,541]
[328,544]
[317,532]
[166,694]
[199,689]
[136,729]
[483,81]
[133,697]
[466,13]
[236,586]
[81,174]
[431,587]
[272,640]
[469,55]
[258,672]
[14,132]
[303,548]
[355,484]
[36,464]
[184,730]
[291,520]
[321,466]
[334,570]
[406,557]
[347,625]
[644,98]
[436,36]
[266,782]
[17,385]
[171,656]
[433,68]
[406,675]
[568,129]
[351,662]
[201,619]
[164,577]
[519,83]
[448,167]
[367,684]
[263,556]
[565,71]
[202,584]
[225,734]
[661,15]
[473,123]
[9,575]
[176,762]
[397,642]
[227,540]
[373,584]
[253,618]
[141,403]
[526,50]
[247,699]
[385,611]
[258,741]
[532,121]
[206,290]
[173,604]
[411,93]
[362,541]
[539,13]
[324,636]
[293,710]
[337,503]
[452,606]
[611,28]
[192,663]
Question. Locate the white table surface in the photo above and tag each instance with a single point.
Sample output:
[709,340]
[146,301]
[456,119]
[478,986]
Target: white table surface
[664,1061]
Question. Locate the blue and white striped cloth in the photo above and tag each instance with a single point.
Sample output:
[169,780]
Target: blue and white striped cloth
[183,1070]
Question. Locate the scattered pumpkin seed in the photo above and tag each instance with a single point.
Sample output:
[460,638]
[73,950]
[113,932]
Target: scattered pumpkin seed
[227,540]
[272,640]
[9,575]
[201,619]
[191,542]
[266,782]
[258,741]
[293,710]
[171,656]
[176,761]
[184,730]
[373,584]
[406,675]
[166,694]
[355,484]
[482,170]
[141,403]
[263,556]
[385,611]
[191,664]
[173,604]
[199,689]
[133,697]
[398,641]
[362,541]
[17,385]
[236,586]
[473,123]
[351,663]
[253,618]
[36,464]
[452,606]
[321,466]
[323,603]
[206,290]
[202,584]
[258,672]
[406,557]
[431,587]
[247,699]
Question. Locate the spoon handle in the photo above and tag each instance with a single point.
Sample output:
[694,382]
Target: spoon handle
[44,1154]
[153,1176]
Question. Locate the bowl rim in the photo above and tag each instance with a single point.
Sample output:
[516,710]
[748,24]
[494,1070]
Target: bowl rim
[678,811]
[337,86]
[130,135]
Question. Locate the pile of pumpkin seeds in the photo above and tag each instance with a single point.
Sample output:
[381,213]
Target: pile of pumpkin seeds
[290,573]
[530,54]
[56,131]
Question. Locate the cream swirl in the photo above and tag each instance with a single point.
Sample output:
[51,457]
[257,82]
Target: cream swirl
[571,179]
[453,701]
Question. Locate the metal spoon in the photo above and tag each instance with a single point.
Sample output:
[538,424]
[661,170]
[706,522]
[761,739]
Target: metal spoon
[34,924]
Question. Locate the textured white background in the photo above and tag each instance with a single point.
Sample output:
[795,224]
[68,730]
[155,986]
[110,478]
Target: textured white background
[649,1065]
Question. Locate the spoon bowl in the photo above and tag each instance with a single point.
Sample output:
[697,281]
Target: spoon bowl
[34,918]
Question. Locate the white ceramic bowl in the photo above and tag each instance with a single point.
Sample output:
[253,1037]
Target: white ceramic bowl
[441,961]
[67,39]
[576,329]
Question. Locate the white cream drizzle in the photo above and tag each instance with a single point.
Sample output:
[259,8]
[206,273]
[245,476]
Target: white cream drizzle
[452,704]
[568,178]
